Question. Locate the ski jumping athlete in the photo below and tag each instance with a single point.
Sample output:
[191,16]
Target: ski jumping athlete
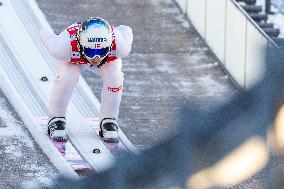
[91,45]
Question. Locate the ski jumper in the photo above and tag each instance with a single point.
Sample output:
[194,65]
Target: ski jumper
[70,63]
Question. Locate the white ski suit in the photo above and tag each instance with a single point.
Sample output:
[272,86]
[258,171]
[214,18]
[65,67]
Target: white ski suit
[68,74]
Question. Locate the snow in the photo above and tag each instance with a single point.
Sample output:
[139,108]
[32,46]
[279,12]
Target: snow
[12,125]
[277,19]
[17,148]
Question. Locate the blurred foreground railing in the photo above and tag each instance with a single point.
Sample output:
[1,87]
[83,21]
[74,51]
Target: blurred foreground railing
[217,148]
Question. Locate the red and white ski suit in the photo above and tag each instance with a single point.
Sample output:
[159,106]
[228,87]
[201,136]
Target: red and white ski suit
[70,64]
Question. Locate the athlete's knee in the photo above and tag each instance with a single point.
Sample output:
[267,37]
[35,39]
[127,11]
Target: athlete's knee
[114,82]
[68,77]
[114,77]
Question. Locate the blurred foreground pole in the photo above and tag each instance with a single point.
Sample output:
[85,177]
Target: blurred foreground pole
[275,179]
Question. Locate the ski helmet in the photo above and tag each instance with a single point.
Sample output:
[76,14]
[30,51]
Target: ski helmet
[95,37]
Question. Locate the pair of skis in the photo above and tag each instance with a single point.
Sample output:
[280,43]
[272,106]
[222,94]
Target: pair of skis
[73,157]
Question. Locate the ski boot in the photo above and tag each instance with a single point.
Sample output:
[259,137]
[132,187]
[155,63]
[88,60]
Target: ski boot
[109,130]
[56,129]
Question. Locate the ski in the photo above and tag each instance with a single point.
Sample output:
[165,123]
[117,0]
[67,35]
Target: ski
[66,149]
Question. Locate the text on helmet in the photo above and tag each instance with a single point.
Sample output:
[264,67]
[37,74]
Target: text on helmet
[97,39]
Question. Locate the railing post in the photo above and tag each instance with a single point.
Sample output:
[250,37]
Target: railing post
[267,6]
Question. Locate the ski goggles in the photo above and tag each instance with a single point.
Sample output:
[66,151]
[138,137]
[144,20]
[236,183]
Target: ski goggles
[92,53]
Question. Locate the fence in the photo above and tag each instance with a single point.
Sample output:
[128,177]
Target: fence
[233,36]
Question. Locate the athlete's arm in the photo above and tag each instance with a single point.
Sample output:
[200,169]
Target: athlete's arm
[57,45]
[124,37]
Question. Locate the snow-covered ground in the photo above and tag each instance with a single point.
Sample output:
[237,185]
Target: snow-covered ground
[21,159]
[277,18]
